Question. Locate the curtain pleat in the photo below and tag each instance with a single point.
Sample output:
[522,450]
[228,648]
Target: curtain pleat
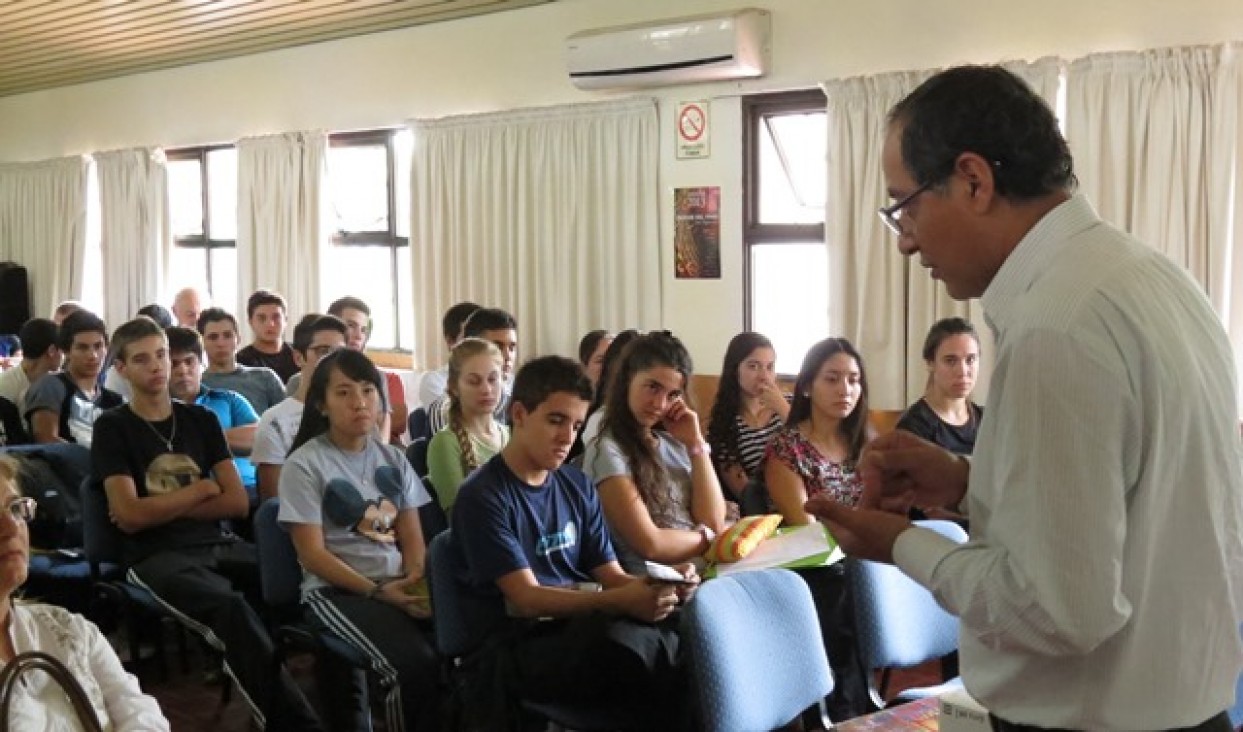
[134,226]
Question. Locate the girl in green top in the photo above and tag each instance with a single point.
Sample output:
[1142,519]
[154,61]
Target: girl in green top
[471,435]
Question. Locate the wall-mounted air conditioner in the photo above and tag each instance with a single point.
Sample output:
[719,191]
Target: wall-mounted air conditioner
[730,45]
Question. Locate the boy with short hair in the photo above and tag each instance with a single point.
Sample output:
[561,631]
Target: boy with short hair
[268,314]
[499,328]
[41,355]
[63,407]
[530,530]
[258,384]
[432,385]
[314,337]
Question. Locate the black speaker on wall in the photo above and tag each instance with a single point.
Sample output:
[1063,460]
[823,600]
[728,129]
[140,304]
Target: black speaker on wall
[14,297]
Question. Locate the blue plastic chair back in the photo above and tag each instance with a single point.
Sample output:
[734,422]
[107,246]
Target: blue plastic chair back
[101,539]
[899,622]
[419,425]
[280,575]
[756,650]
[453,636]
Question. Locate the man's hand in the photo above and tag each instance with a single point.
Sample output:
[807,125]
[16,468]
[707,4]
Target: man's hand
[647,600]
[861,532]
[900,470]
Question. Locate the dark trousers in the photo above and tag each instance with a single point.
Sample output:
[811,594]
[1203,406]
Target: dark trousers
[198,587]
[624,668]
[835,609]
[1216,723]
[398,652]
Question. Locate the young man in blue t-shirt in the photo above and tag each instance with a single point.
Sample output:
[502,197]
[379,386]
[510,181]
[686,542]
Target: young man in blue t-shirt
[532,534]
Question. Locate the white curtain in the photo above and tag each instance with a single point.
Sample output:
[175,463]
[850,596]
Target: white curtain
[1156,141]
[281,230]
[134,226]
[880,300]
[549,213]
[43,227]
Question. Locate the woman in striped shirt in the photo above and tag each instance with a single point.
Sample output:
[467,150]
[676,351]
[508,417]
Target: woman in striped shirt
[748,411]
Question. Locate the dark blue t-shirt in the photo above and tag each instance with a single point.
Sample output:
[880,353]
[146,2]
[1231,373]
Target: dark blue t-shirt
[556,530]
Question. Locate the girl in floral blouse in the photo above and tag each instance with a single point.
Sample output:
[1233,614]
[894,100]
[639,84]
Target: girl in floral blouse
[816,452]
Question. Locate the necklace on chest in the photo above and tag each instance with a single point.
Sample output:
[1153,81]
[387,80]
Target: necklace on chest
[360,466]
[172,434]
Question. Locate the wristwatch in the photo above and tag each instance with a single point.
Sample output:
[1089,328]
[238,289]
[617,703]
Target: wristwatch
[706,532]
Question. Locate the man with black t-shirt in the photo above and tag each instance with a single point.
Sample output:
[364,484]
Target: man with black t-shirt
[170,481]
[268,316]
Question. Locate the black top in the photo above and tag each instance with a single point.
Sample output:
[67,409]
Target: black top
[921,420]
[126,444]
[12,431]
[282,362]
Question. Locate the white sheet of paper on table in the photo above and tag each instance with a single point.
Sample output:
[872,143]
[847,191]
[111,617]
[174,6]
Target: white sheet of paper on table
[788,548]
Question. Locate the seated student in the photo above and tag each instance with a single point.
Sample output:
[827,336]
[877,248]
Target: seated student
[815,454]
[432,385]
[237,417]
[64,310]
[37,703]
[472,435]
[170,481]
[350,503]
[41,355]
[591,350]
[267,313]
[748,411]
[259,384]
[357,318]
[63,407]
[188,305]
[530,529]
[650,461]
[112,379]
[945,414]
[501,330]
[314,337]
[595,413]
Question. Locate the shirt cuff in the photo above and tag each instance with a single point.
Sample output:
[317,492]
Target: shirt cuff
[918,552]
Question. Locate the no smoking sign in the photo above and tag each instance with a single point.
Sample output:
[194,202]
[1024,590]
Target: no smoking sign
[692,130]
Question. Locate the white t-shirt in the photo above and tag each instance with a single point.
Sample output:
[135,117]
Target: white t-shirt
[274,435]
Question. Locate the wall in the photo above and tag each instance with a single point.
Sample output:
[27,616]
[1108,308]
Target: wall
[513,59]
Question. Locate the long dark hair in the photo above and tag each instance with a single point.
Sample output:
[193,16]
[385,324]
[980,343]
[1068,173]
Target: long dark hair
[722,434]
[854,426]
[353,365]
[653,350]
[612,355]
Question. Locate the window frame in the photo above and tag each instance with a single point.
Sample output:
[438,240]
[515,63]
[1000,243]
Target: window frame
[203,241]
[755,108]
[386,138]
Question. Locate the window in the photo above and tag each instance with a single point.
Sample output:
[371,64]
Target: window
[202,203]
[785,263]
[369,200]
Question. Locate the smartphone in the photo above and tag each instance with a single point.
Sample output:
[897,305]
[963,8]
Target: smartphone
[665,573]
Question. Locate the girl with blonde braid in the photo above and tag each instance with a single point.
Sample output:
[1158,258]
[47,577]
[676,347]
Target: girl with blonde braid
[472,434]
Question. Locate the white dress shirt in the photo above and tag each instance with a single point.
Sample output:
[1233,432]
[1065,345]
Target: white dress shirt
[1101,587]
[38,702]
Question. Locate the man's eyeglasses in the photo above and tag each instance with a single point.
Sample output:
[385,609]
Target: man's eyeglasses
[892,214]
[321,351]
[22,509]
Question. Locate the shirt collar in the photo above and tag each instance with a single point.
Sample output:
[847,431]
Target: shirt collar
[1032,256]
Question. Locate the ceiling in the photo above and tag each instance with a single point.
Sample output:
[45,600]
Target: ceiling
[47,44]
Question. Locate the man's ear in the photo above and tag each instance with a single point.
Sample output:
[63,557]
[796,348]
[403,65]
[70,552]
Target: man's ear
[298,359]
[517,414]
[977,172]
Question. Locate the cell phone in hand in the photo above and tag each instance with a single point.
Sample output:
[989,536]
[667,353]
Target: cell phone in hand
[665,573]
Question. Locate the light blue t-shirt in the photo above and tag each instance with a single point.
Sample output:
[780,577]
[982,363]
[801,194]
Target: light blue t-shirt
[355,498]
[232,410]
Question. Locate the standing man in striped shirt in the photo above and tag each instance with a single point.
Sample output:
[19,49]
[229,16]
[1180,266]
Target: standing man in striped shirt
[1101,586]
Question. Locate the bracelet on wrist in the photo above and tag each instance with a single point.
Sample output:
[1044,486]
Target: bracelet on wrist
[701,448]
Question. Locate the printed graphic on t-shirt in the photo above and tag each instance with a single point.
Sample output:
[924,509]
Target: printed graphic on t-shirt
[171,472]
[82,415]
[557,541]
[376,518]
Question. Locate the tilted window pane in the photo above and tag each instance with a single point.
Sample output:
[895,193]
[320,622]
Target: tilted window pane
[792,168]
[358,186]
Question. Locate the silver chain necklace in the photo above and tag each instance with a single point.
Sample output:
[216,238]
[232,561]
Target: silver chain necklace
[349,459]
[168,442]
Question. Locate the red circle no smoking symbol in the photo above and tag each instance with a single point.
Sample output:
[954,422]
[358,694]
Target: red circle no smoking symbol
[691,123]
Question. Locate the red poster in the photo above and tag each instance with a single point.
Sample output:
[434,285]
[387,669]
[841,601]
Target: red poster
[697,233]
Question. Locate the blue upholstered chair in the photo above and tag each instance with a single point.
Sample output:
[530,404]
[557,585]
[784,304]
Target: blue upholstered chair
[1236,711]
[899,622]
[756,651]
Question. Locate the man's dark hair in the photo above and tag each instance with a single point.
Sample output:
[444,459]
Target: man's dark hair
[214,315]
[184,340]
[129,332]
[542,377]
[80,321]
[158,313]
[349,302]
[456,317]
[486,319]
[991,112]
[263,297]
[312,323]
[37,335]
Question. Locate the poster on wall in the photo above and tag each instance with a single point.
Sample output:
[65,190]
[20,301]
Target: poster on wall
[697,233]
